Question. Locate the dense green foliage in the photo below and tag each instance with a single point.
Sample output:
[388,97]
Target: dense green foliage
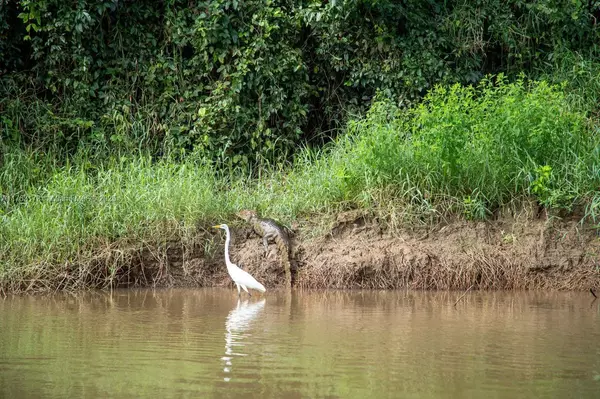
[476,149]
[463,150]
[249,80]
[131,123]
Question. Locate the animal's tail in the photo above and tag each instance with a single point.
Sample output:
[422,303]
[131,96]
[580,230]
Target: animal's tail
[284,250]
[284,247]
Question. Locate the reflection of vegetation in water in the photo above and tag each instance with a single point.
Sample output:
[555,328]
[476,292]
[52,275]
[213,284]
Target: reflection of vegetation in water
[327,343]
[238,322]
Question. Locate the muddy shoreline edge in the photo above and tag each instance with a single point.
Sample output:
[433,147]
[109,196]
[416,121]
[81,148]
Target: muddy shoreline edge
[503,254]
[355,252]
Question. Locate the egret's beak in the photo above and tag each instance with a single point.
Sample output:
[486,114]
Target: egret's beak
[217,226]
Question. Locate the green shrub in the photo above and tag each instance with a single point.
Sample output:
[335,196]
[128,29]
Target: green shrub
[247,81]
[483,145]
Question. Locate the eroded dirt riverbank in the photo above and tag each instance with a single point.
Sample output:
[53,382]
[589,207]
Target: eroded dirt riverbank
[356,252]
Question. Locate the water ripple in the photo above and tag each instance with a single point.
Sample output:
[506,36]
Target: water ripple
[207,343]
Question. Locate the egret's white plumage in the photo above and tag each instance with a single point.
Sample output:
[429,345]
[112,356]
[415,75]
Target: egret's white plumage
[240,277]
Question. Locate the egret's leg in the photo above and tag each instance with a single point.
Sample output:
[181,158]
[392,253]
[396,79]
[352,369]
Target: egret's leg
[239,292]
[246,289]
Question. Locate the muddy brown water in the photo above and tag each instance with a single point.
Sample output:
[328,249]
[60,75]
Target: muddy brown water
[346,344]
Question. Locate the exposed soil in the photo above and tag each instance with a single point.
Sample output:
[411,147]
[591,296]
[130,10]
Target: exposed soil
[531,251]
[357,252]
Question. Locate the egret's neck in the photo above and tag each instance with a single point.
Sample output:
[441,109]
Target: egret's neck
[227,240]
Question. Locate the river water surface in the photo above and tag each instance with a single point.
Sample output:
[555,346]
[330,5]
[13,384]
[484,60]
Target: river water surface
[335,344]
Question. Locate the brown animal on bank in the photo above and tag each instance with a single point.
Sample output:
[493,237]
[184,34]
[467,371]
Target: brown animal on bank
[270,230]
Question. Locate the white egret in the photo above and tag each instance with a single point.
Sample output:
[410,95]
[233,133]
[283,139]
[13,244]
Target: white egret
[240,277]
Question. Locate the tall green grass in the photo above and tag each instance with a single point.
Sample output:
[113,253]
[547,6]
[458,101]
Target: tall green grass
[579,75]
[471,150]
[84,207]
[463,150]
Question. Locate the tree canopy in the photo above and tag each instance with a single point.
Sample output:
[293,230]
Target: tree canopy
[247,80]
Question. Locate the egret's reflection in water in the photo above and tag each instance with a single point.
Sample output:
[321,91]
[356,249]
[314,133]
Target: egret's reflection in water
[236,326]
